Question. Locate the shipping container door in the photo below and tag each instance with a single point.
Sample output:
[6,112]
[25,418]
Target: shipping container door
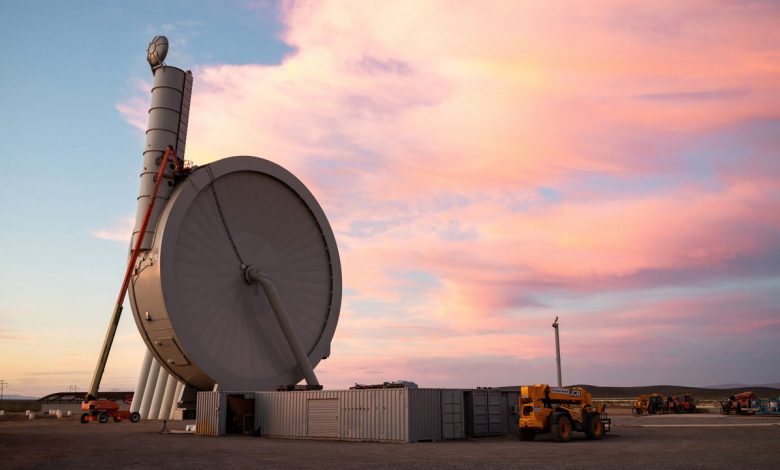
[322,418]
[494,412]
[509,418]
[483,412]
[452,414]
[210,413]
[479,413]
[424,414]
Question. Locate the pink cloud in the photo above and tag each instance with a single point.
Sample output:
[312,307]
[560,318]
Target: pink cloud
[427,135]
[119,232]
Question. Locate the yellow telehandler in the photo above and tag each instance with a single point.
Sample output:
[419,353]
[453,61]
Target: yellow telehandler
[559,411]
[650,404]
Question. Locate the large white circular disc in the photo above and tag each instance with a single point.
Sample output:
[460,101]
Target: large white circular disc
[224,327]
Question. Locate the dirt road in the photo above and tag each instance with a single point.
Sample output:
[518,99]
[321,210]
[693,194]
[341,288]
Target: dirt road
[677,441]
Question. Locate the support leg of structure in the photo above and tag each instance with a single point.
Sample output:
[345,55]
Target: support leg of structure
[146,403]
[175,400]
[138,394]
[254,276]
[170,387]
[159,391]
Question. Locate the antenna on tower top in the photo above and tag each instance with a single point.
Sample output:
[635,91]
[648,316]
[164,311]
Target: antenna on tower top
[156,52]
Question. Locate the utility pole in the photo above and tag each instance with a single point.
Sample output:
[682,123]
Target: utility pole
[557,351]
[3,383]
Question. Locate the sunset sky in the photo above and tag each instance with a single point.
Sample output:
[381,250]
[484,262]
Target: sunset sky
[485,169]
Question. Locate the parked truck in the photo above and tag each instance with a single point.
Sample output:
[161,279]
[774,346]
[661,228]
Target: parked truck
[741,404]
[559,411]
[650,404]
[681,404]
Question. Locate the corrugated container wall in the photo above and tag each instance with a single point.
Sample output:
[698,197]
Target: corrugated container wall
[508,417]
[483,412]
[212,409]
[390,415]
[453,424]
[424,414]
[374,415]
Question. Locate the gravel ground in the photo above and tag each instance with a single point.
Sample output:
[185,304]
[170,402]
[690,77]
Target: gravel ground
[668,441]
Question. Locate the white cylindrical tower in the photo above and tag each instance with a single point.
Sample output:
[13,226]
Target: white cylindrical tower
[167,126]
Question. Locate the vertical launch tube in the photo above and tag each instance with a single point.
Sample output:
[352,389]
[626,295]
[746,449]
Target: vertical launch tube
[168,117]
[167,126]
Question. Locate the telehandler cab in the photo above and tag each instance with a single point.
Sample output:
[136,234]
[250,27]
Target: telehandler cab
[559,411]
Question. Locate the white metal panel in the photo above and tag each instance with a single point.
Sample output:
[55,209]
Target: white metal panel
[375,415]
[452,417]
[280,414]
[424,414]
[364,415]
[211,411]
[322,417]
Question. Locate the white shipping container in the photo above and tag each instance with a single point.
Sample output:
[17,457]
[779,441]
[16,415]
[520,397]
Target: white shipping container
[385,415]
[211,410]
[394,415]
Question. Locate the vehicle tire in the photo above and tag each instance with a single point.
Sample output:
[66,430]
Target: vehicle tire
[135,417]
[594,428]
[527,434]
[692,408]
[103,418]
[638,411]
[560,427]
[85,418]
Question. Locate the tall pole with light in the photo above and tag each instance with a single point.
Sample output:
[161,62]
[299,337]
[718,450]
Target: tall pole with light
[557,351]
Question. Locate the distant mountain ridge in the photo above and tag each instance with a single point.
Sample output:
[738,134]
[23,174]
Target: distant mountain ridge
[772,385]
[699,393]
[18,397]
